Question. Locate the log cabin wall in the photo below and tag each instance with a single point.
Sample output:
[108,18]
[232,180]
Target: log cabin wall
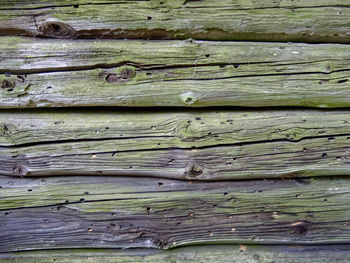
[174,131]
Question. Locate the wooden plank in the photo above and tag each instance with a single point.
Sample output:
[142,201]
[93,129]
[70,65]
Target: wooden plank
[258,20]
[132,212]
[195,145]
[205,253]
[56,73]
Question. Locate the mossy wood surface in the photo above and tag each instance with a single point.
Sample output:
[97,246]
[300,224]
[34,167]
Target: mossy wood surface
[254,20]
[133,212]
[64,73]
[200,254]
[91,182]
[195,145]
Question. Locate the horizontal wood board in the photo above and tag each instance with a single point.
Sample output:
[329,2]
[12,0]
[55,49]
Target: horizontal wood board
[135,73]
[256,20]
[206,253]
[132,212]
[194,145]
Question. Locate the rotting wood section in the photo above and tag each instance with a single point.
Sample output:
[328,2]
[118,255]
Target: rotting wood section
[204,253]
[195,145]
[268,20]
[129,212]
[64,73]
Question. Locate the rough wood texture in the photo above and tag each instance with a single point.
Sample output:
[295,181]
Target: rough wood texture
[267,20]
[131,212]
[200,254]
[195,145]
[55,73]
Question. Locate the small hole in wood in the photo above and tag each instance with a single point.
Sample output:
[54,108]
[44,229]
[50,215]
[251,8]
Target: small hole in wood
[149,18]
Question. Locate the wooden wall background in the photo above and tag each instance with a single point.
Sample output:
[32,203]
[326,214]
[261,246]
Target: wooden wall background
[174,131]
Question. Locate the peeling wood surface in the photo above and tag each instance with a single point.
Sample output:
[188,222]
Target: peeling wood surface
[205,253]
[195,145]
[58,73]
[130,212]
[258,20]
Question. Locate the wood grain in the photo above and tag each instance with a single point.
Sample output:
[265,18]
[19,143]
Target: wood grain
[204,253]
[65,73]
[195,145]
[131,212]
[257,20]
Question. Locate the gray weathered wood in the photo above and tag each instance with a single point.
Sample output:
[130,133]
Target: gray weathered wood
[267,20]
[196,145]
[127,212]
[56,73]
[200,254]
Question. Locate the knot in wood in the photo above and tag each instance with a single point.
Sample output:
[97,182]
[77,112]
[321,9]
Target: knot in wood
[6,129]
[7,84]
[125,74]
[20,169]
[188,98]
[57,29]
[186,131]
[301,227]
[193,172]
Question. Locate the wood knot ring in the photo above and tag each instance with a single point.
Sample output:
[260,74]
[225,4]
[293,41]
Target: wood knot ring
[57,29]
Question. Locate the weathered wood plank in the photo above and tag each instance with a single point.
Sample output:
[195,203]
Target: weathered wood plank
[205,253]
[196,145]
[266,20]
[55,73]
[130,212]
